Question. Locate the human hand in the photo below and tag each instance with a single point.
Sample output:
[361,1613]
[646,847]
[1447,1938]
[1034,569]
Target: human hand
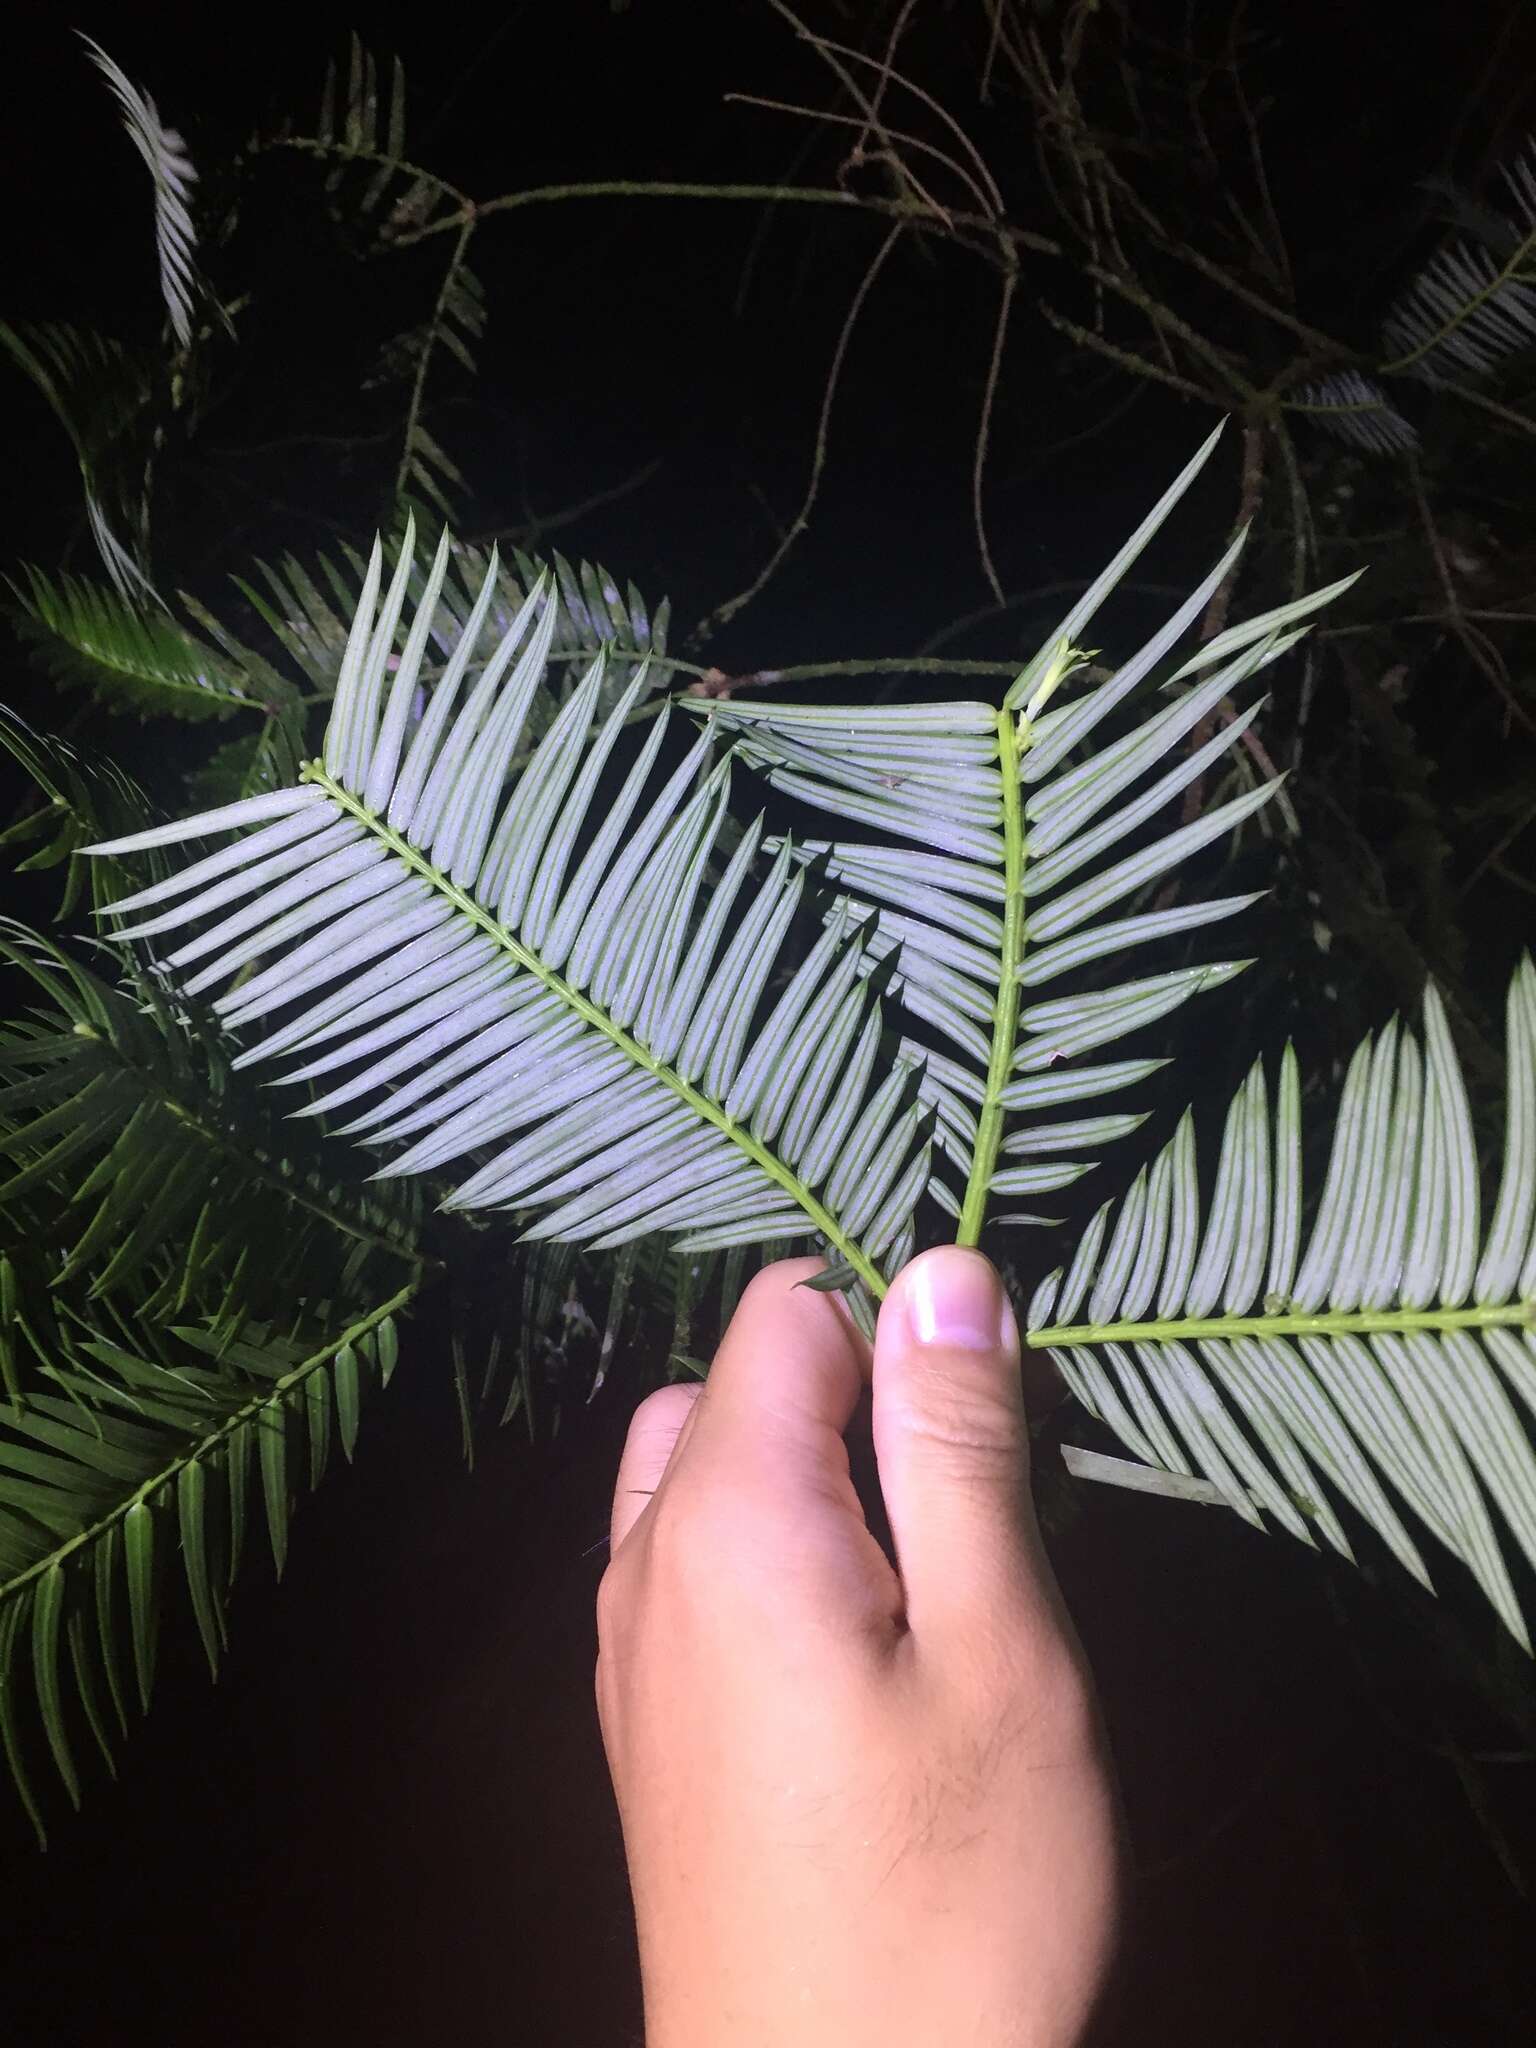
[860,1806]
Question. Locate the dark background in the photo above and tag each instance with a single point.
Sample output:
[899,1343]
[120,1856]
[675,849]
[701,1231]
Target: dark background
[390,1820]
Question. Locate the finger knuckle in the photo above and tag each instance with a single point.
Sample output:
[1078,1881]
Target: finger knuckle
[613,1600]
[662,1412]
[679,1536]
[970,1425]
[774,1282]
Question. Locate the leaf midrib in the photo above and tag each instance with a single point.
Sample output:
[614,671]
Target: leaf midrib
[595,1015]
[271,1395]
[1508,273]
[1005,1018]
[1327,1323]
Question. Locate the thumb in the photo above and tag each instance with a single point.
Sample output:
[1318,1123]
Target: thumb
[953,1450]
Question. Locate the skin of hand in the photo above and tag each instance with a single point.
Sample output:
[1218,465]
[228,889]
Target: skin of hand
[861,1804]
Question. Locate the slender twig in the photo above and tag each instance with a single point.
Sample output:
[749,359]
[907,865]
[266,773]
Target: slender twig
[1165,318]
[1441,619]
[314,145]
[995,19]
[1241,1803]
[237,452]
[1215,618]
[1250,491]
[868,122]
[424,357]
[1127,359]
[1506,873]
[903,16]
[1104,418]
[1483,1816]
[860,153]
[766,216]
[1278,249]
[984,430]
[828,47]
[1494,858]
[911,211]
[1478,645]
[724,613]
[1303,548]
[1255,301]
[1303,530]
[681,188]
[536,525]
[1037,594]
[1480,402]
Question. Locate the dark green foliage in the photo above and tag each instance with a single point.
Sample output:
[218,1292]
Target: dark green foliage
[134,658]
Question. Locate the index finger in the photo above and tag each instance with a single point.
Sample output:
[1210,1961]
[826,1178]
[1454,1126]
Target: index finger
[784,1384]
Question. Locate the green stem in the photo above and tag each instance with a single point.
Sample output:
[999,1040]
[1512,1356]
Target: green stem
[917,211]
[272,1392]
[1005,1018]
[821,1218]
[1340,1323]
[688,188]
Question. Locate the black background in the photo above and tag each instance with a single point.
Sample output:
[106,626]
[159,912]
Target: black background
[390,1820]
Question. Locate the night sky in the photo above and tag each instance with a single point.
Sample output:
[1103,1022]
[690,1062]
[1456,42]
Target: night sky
[390,1821]
[685,335]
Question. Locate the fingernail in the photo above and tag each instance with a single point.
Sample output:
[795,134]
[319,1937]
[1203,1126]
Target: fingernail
[954,1298]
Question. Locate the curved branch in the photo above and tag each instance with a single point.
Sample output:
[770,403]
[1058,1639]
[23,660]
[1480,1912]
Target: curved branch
[984,429]
[723,613]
